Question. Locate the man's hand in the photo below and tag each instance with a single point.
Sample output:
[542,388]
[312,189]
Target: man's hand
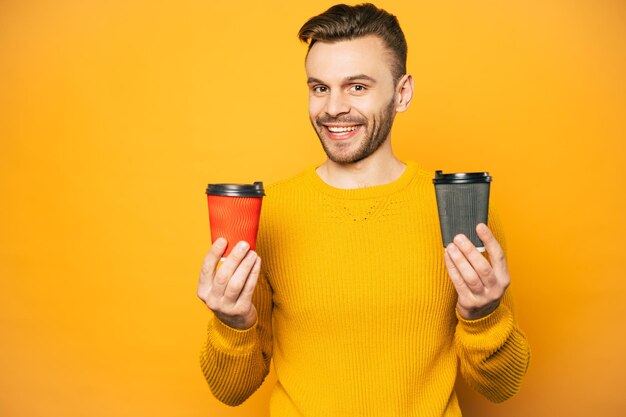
[228,290]
[479,284]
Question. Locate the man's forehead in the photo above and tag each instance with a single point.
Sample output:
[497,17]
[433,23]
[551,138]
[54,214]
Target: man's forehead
[346,58]
[370,45]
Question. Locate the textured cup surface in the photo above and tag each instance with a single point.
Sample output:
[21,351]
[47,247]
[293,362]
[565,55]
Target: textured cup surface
[234,217]
[463,203]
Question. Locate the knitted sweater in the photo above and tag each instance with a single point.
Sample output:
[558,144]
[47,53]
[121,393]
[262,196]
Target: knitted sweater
[357,311]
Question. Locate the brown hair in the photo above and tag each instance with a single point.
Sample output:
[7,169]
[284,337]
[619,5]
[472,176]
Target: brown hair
[343,22]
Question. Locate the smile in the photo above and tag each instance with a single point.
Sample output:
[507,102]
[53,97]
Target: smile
[337,129]
[341,133]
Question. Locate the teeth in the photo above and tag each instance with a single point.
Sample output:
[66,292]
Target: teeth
[341,129]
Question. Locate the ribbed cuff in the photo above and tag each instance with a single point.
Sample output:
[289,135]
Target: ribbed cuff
[489,332]
[230,340]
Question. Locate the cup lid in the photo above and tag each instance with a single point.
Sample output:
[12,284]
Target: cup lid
[461,177]
[236,190]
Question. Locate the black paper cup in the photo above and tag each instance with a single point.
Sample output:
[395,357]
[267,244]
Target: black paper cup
[463,203]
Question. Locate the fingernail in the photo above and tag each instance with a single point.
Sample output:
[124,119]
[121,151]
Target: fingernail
[481,227]
[220,243]
[243,246]
[460,239]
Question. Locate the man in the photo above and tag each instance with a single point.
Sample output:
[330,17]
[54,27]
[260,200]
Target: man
[361,310]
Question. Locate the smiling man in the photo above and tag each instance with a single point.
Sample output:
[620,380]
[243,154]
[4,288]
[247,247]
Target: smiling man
[360,309]
[352,112]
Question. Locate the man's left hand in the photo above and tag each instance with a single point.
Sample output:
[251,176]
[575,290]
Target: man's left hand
[479,284]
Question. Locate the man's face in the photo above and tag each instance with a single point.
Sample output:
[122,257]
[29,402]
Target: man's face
[351,96]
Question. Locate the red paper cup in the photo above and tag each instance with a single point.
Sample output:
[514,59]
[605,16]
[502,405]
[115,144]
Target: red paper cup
[234,211]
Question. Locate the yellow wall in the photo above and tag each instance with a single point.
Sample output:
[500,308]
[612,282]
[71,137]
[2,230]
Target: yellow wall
[115,114]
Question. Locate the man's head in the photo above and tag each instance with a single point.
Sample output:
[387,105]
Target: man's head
[355,66]
[342,22]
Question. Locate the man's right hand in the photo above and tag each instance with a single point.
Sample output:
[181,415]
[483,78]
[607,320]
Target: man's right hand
[228,290]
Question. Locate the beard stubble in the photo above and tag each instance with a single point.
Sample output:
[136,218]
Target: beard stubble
[380,129]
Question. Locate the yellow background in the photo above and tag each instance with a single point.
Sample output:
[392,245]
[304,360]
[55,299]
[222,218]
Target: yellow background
[114,115]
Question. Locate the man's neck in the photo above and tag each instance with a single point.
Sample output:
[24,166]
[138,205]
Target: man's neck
[369,172]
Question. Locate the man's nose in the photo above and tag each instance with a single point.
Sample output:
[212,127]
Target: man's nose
[337,104]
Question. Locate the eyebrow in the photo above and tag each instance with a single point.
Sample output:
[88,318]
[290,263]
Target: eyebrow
[313,80]
[361,77]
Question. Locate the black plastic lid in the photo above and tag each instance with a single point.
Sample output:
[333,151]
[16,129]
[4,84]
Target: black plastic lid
[461,178]
[236,190]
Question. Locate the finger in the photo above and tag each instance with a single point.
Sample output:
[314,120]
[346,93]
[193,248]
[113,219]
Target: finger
[471,278]
[211,260]
[226,271]
[455,275]
[478,262]
[237,281]
[495,251]
[248,289]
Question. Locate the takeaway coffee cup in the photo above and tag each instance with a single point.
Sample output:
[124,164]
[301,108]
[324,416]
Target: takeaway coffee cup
[463,203]
[234,211]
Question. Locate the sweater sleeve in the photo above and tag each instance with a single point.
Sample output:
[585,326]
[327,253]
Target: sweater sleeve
[236,362]
[493,351]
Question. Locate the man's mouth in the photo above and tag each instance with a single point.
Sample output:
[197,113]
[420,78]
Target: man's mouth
[341,132]
[336,129]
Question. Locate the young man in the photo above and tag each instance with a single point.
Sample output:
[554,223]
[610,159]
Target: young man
[362,311]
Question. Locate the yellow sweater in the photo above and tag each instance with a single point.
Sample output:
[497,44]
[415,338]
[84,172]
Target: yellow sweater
[357,311]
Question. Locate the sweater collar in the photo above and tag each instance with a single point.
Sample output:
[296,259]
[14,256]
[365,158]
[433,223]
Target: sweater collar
[366,192]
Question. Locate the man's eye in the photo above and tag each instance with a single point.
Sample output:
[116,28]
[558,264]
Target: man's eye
[359,88]
[320,89]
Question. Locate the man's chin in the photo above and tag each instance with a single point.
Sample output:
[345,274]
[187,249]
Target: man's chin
[339,152]
[345,158]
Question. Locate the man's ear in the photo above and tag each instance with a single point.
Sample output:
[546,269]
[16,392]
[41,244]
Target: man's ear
[404,92]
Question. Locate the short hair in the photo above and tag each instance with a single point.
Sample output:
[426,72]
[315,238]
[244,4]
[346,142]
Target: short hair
[343,22]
